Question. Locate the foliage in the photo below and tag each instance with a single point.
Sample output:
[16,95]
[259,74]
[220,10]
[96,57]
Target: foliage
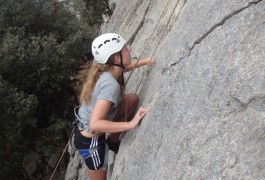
[51,136]
[41,42]
[18,124]
[38,66]
[95,8]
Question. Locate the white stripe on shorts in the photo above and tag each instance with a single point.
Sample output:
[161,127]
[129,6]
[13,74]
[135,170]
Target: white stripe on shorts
[96,153]
[92,155]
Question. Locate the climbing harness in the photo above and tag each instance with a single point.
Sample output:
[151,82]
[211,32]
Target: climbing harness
[86,152]
[62,155]
[69,141]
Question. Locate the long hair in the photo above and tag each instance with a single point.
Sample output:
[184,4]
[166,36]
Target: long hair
[92,77]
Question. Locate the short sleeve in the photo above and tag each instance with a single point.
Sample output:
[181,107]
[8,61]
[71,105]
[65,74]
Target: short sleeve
[110,92]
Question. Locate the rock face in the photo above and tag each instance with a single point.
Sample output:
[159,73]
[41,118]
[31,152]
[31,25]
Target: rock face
[30,163]
[205,95]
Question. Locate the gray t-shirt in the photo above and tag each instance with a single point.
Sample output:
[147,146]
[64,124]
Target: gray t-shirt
[106,88]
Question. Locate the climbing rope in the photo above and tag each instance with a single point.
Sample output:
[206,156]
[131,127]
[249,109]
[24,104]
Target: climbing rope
[145,72]
[62,155]
[147,42]
[162,12]
[148,67]
[126,105]
[128,15]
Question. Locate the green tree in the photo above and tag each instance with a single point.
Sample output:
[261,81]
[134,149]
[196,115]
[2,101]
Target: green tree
[95,9]
[18,125]
[41,42]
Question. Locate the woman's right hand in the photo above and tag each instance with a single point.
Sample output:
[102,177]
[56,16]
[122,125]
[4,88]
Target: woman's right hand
[138,117]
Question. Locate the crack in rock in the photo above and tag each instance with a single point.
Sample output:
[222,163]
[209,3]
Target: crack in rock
[179,12]
[130,41]
[227,17]
[257,103]
[239,106]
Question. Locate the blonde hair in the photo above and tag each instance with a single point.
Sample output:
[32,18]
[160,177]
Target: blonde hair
[92,77]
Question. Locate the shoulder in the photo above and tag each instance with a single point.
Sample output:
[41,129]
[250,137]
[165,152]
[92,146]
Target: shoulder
[106,79]
[107,84]
[108,88]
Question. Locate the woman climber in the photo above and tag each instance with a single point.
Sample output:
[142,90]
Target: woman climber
[102,104]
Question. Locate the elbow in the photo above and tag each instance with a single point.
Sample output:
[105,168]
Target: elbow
[95,125]
[92,127]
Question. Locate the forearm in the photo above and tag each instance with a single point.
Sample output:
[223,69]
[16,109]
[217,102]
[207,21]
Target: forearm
[135,64]
[106,126]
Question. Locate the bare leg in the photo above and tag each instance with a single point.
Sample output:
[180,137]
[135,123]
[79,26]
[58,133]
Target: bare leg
[97,174]
[132,101]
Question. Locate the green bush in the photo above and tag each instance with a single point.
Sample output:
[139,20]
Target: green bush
[18,125]
[41,44]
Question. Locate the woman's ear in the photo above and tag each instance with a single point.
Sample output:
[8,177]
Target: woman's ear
[116,57]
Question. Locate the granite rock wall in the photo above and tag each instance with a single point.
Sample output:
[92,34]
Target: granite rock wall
[205,95]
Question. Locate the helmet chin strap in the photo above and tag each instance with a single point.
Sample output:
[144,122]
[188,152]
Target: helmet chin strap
[121,65]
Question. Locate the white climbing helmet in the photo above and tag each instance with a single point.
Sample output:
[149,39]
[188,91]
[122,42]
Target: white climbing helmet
[105,45]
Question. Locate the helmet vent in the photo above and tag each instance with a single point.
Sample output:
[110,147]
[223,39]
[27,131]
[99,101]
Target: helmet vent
[116,40]
[106,41]
[105,45]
